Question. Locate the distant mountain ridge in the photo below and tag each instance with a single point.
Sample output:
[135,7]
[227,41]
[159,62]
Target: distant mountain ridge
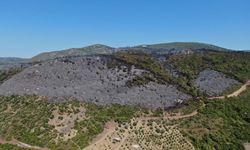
[162,48]
[93,49]
[4,60]
[103,49]
[178,46]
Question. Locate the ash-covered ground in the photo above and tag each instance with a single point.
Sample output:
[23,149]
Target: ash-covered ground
[213,82]
[89,79]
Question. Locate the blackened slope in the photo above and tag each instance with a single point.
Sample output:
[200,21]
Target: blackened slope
[88,79]
[213,82]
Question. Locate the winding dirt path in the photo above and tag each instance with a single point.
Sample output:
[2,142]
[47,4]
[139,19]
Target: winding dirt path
[169,117]
[110,126]
[239,91]
[180,116]
[21,144]
[109,129]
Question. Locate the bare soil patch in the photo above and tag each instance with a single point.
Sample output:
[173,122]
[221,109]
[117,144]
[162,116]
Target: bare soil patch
[247,146]
[64,122]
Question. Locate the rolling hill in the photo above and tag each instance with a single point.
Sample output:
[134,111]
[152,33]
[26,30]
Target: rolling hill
[8,60]
[178,47]
[89,50]
[161,96]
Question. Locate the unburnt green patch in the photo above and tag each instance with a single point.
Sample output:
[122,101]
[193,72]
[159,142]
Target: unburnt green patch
[156,71]
[11,147]
[26,118]
[234,64]
[221,124]
[5,75]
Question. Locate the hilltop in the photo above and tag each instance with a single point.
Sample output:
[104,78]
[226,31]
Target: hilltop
[178,47]
[89,50]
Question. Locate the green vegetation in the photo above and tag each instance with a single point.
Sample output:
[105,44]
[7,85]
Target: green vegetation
[143,61]
[158,112]
[10,147]
[139,80]
[26,118]
[234,64]
[147,62]
[5,75]
[189,107]
[98,116]
[222,124]
[183,46]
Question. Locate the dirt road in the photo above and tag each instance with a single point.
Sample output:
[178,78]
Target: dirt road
[176,116]
[247,146]
[235,93]
[239,91]
[21,144]
[110,126]
[108,129]
[111,129]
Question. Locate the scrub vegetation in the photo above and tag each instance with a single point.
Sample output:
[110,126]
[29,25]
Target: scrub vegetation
[233,64]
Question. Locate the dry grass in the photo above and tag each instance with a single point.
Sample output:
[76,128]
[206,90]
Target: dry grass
[64,122]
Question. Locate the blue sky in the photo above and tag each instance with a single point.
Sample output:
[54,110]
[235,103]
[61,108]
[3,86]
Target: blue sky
[28,27]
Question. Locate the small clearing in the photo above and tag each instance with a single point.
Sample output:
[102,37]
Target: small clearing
[64,122]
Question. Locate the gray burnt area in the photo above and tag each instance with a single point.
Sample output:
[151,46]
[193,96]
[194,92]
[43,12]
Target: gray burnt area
[213,82]
[89,79]
[6,67]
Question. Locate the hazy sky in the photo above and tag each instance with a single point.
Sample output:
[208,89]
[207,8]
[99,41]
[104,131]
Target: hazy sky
[28,27]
